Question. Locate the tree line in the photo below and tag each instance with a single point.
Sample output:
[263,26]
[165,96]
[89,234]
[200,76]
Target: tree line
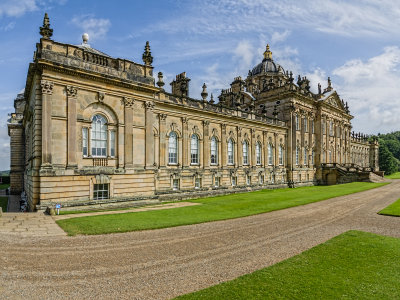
[389,152]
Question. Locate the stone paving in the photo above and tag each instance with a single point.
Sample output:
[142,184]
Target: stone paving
[29,224]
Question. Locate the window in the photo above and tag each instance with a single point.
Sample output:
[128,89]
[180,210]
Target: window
[85,141]
[330,156]
[258,153]
[312,157]
[233,179]
[112,143]
[173,148]
[216,181]
[175,184]
[312,126]
[245,153]
[323,126]
[248,180]
[214,151]
[197,183]
[231,159]
[330,128]
[297,122]
[261,179]
[297,155]
[194,150]
[99,136]
[299,177]
[100,191]
[280,153]
[270,155]
[305,122]
[305,156]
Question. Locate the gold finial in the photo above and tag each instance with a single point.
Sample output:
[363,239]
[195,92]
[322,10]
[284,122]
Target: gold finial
[267,53]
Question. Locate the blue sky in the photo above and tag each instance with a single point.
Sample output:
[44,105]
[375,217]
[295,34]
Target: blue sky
[354,42]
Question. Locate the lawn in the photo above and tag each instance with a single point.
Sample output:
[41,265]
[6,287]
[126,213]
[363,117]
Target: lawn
[353,265]
[393,176]
[4,203]
[211,209]
[4,186]
[392,210]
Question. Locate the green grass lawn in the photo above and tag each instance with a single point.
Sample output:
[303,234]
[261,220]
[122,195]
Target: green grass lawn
[393,176]
[4,203]
[353,265]
[4,186]
[211,209]
[392,210]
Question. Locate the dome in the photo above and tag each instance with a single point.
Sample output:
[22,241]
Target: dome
[267,65]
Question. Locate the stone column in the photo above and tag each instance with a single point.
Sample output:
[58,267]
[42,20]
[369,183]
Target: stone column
[128,139]
[163,133]
[71,126]
[121,143]
[206,144]
[149,106]
[239,160]
[224,150]
[264,149]
[253,159]
[185,152]
[276,152]
[47,91]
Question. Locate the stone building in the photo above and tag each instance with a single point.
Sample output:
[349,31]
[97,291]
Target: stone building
[90,128]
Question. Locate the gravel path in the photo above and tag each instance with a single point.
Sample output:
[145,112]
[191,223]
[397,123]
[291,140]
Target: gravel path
[161,264]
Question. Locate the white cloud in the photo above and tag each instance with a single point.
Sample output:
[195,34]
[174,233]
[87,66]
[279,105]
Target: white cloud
[278,37]
[16,8]
[355,18]
[372,89]
[97,28]
[8,27]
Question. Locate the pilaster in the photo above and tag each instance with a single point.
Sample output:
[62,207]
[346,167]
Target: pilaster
[149,106]
[47,91]
[185,142]
[71,126]
[128,151]
[224,149]
[163,134]
[206,144]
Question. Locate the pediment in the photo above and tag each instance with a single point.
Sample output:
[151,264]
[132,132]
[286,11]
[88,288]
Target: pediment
[334,101]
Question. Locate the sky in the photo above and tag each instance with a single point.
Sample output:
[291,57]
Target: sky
[356,43]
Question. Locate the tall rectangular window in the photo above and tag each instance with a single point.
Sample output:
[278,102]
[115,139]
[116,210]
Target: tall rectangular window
[312,126]
[214,151]
[233,181]
[175,184]
[112,143]
[305,156]
[231,159]
[248,180]
[85,141]
[194,150]
[101,191]
[245,153]
[297,155]
[297,122]
[270,155]
[197,183]
[216,181]
[280,155]
[305,121]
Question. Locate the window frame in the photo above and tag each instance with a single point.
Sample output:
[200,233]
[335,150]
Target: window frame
[231,152]
[173,148]
[258,154]
[85,141]
[194,150]
[245,153]
[214,151]
[270,155]
[96,136]
[97,190]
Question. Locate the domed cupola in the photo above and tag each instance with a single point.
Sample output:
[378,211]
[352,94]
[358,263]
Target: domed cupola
[267,65]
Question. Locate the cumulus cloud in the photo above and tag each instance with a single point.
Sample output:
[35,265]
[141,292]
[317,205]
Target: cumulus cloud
[16,8]
[97,28]
[372,89]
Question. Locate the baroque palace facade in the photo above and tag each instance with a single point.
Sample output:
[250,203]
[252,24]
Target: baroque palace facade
[90,128]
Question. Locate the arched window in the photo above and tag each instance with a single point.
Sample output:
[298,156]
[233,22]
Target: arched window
[312,157]
[214,151]
[297,155]
[99,136]
[280,155]
[194,149]
[270,155]
[245,153]
[258,153]
[173,148]
[231,158]
[305,156]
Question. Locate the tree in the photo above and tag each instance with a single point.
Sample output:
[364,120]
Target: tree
[387,162]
